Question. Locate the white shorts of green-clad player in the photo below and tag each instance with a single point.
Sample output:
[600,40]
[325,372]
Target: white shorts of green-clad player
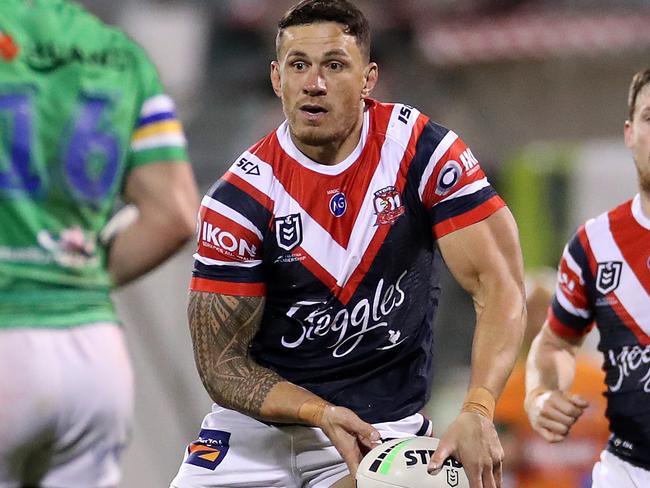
[234,450]
[66,398]
[612,471]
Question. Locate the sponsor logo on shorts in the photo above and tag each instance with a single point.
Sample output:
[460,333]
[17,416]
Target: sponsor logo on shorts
[209,449]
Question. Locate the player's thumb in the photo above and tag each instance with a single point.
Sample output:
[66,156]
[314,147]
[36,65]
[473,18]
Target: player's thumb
[442,452]
[579,401]
[369,436]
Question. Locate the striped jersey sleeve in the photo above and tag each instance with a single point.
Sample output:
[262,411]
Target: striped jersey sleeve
[453,187]
[231,226]
[570,314]
[157,134]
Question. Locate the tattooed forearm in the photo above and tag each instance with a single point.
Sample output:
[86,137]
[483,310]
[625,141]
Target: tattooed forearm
[222,327]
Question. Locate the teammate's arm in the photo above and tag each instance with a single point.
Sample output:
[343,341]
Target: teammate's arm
[550,370]
[222,327]
[166,198]
[485,258]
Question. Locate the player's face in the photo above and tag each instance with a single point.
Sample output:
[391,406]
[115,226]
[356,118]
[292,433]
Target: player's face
[637,137]
[322,77]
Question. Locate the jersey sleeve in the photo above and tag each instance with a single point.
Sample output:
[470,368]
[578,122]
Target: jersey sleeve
[231,227]
[453,187]
[158,134]
[570,314]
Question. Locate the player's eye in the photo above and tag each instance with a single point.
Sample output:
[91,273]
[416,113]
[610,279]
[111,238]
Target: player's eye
[335,66]
[299,65]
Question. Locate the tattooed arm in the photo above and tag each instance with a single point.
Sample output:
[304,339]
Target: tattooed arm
[222,327]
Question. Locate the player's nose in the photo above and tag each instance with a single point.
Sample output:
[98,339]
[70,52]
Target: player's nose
[315,83]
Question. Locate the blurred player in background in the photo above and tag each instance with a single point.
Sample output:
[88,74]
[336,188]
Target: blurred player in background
[528,458]
[83,120]
[316,278]
[604,279]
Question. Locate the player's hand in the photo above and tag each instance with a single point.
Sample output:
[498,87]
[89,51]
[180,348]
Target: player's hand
[552,413]
[351,436]
[473,440]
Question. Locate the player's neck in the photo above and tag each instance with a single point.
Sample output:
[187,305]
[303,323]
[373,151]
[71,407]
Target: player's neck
[645,203]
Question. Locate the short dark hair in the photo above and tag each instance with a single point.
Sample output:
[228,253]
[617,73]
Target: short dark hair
[340,11]
[641,79]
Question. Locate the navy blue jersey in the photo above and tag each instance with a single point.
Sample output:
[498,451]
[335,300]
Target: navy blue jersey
[345,255]
[604,279]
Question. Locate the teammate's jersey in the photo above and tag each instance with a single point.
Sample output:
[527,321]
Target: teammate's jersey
[345,254]
[75,118]
[604,278]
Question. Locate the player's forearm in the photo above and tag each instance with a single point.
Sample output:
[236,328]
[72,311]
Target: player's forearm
[551,363]
[147,242]
[222,327]
[497,339]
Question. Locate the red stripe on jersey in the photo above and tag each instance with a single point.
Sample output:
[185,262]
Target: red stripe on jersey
[460,153]
[316,269]
[224,239]
[380,235]
[564,331]
[584,241]
[313,190]
[466,219]
[627,319]
[626,231]
[228,287]
[249,189]
[571,286]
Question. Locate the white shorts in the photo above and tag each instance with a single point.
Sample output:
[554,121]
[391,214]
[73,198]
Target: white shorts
[234,450]
[66,400]
[612,471]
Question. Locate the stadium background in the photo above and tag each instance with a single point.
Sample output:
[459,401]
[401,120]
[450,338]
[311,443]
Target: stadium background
[537,88]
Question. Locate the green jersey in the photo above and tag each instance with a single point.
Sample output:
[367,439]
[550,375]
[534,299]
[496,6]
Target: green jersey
[81,105]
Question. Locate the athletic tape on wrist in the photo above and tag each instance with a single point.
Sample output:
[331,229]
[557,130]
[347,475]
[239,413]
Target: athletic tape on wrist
[311,411]
[479,400]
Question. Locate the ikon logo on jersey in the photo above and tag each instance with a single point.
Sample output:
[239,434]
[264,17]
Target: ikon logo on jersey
[608,276]
[288,231]
[388,205]
[225,243]
[209,450]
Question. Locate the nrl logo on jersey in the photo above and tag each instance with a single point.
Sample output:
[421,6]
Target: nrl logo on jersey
[608,276]
[288,231]
[388,205]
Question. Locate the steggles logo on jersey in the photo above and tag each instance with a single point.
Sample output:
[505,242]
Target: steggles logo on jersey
[288,231]
[448,177]
[627,361]
[608,276]
[348,326]
[388,205]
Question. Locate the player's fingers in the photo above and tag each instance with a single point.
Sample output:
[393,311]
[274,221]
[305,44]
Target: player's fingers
[474,475]
[443,451]
[352,458]
[488,477]
[579,401]
[548,435]
[554,426]
[558,416]
[498,473]
[566,406]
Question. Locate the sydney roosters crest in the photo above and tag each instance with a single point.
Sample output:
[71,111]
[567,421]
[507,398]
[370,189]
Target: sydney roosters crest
[388,205]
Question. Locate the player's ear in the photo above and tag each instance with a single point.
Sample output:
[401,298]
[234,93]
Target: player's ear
[275,78]
[371,74]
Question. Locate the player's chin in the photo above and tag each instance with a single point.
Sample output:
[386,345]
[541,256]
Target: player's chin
[314,136]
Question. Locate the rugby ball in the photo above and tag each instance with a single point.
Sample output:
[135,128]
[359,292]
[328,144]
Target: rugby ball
[402,463]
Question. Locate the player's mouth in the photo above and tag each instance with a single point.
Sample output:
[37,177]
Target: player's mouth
[313,112]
